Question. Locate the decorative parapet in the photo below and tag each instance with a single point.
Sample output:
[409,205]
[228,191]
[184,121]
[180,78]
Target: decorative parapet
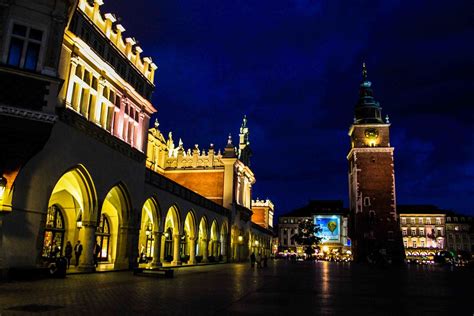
[113,31]
[163,154]
[263,203]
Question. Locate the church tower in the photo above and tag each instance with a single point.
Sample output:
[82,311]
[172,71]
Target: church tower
[374,224]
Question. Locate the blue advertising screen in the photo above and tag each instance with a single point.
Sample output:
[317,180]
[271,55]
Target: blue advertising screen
[330,227]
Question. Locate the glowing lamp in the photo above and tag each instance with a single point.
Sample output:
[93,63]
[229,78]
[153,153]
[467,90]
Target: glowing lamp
[3,186]
[148,232]
[167,235]
[325,248]
[256,242]
[241,238]
[79,221]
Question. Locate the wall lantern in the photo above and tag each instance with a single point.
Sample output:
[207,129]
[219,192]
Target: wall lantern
[256,242]
[3,186]
[79,221]
[167,235]
[241,238]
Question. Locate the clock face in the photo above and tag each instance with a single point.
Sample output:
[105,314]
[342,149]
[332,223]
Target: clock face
[371,133]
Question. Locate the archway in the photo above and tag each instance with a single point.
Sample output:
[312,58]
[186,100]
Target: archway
[148,239]
[188,243]
[202,249]
[214,242]
[171,237]
[115,210]
[72,206]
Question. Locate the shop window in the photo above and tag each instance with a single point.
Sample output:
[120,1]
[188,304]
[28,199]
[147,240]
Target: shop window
[54,233]
[103,238]
[25,46]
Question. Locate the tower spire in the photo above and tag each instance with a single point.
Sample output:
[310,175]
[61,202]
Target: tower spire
[367,109]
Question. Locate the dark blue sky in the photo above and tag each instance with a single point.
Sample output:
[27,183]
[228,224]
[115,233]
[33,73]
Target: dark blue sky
[294,68]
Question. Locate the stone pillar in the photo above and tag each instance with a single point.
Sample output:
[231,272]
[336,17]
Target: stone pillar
[70,84]
[157,249]
[205,251]
[224,250]
[176,241]
[192,250]
[162,250]
[86,262]
[122,250]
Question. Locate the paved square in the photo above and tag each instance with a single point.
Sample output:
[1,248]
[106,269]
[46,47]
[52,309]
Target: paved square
[283,288]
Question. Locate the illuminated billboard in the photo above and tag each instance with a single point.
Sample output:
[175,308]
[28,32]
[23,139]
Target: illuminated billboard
[330,228]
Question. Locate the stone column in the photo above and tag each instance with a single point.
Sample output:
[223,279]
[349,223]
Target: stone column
[224,250]
[70,84]
[176,241]
[162,250]
[192,250]
[86,262]
[205,251]
[157,249]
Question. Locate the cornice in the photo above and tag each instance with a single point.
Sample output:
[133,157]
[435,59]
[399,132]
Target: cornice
[370,150]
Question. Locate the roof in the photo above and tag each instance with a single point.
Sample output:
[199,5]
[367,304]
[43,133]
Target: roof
[317,207]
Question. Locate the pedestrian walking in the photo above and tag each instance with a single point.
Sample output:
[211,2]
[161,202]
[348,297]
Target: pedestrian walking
[259,260]
[68,253]
[78,251]
[97,250]
[252,260]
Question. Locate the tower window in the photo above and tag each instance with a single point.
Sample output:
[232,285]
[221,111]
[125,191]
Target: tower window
[366,201]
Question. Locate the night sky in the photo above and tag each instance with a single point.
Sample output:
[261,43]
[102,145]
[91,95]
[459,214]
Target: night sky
[294,68]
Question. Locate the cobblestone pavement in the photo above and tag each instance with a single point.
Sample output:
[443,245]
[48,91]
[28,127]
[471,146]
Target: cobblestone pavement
[283,288]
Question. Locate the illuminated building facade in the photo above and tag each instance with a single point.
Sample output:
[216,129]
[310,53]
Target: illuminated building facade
[374,222]
[222,177]
[76,168]
[331,218]
[423,230]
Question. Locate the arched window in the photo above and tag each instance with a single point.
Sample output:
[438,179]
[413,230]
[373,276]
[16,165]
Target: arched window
[103,238]
[53,233]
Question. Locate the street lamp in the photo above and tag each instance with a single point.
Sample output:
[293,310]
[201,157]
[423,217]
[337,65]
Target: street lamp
[79,221]
[3,186]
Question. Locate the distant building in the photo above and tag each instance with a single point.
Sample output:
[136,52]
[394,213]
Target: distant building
[459,233]
[329,215]
[423,230]
[263,211]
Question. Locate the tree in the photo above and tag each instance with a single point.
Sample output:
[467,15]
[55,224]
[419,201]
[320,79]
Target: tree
[306,236]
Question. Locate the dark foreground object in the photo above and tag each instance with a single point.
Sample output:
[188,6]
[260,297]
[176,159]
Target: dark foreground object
[283,288]
[165,273]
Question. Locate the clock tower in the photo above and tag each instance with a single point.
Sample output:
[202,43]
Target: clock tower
[374,227]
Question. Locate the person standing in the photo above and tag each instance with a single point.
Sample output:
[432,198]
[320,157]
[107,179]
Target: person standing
[259,260]
[68,253]
[78,251]
[252,260]
[97,250]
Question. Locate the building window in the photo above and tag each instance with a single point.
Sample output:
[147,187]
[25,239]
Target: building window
[413,220]
[428,221]
[404,231]
[54,233]
[439,232]
[438,221]
[420,220]
[366,201]
[404,221]
[413,244]
[422,231]
[422,245]
[25,45]
[413,231]
[405,244]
